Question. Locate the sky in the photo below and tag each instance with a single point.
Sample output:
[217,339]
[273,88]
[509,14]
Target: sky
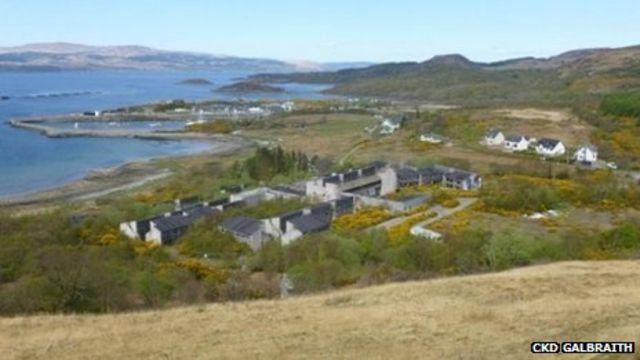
[330,30]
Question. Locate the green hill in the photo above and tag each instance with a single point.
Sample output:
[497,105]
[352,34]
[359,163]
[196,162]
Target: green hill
[452,78]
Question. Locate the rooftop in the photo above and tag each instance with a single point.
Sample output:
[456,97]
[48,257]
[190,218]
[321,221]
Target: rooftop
[516,138]
[548,143]
[311,222]
[242,225]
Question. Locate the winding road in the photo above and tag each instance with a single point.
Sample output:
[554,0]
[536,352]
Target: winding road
[440,210]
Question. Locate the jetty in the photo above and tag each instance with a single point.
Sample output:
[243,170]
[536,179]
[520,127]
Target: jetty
[40,125]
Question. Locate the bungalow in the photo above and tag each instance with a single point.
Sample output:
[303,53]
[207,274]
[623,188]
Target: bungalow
[494,137]
[586,154]
[247,230]
[550,147]
[517,142]
[432,138]
[391,124]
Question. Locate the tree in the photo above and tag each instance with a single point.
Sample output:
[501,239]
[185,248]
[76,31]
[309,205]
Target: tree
[155,289]
[509,249]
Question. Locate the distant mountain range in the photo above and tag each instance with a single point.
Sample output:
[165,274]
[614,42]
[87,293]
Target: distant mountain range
[66,56]
[454,78]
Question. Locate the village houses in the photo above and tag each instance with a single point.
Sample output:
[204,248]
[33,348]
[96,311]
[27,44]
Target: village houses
[517,142]
[586,154]
[550,147]
[494,137]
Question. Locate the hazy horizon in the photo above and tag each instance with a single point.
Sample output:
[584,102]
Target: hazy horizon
[330,31]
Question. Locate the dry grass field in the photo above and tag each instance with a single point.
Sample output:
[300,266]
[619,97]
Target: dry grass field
[318,134]
[493,316]
[539,123]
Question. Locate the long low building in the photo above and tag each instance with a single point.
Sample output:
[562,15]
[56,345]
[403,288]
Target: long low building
[165,229]
[337,194]
[439,175]
[287,227]
[377,179]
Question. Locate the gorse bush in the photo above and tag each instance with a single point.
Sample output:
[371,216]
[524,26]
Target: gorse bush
[361,220]
[524,194]
[213,127]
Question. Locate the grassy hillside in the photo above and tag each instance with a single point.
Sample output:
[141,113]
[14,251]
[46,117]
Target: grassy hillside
[482,316]
[561,79]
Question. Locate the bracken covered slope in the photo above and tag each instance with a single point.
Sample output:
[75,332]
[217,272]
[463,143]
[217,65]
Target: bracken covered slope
[493,316]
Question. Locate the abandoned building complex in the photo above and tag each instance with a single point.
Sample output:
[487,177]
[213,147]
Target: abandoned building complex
[332,196]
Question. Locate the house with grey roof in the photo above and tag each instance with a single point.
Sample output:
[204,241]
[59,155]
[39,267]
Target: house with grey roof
[390,124]
[494,137]
[517,142]
[550,147]
[586,154]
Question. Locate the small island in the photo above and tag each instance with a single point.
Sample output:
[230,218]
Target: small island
[250,87]
[194,81]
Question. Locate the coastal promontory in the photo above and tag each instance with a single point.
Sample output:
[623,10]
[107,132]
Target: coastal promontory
[249,87]
[194,81]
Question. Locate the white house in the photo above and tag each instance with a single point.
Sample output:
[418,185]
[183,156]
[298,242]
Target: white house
[550,147]
[494,137]
[587,154]
[391,124]
[517,142]
[288,106]
[432,138]
[256,110]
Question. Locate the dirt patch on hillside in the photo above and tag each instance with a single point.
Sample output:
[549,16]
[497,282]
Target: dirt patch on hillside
[535,114]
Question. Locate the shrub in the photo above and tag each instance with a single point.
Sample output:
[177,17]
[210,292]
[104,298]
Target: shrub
[213,127]
[509,249]
[360,220]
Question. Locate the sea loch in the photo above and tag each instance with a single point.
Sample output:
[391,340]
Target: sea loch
[31,162]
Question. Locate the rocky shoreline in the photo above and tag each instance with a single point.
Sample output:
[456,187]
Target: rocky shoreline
[101,182]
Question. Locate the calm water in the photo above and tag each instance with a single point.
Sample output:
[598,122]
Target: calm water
[30,162]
